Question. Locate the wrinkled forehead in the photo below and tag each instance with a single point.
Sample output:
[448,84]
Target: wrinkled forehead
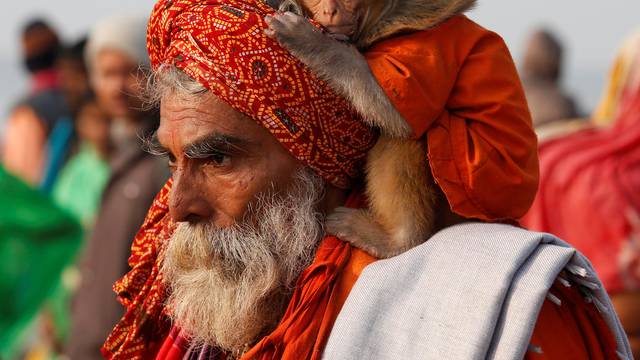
[184,120]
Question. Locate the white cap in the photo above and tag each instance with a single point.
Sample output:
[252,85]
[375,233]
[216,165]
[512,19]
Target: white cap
[123,33]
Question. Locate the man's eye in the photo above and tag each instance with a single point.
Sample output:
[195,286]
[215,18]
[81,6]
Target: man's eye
[171,161]
[219,159]
[170,158]
[172,165]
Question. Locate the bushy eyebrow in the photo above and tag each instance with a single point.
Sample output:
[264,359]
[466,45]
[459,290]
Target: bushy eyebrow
[213,144]
[152,145]
[204,147]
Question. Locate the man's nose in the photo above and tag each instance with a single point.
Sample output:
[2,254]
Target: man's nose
[187,201]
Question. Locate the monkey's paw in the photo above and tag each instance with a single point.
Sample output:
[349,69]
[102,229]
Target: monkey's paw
[294,32]
[358,227]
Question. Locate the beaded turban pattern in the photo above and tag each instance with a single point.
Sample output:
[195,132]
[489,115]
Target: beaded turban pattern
[221,44]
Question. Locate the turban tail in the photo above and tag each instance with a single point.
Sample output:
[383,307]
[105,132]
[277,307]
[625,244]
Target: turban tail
[221,44]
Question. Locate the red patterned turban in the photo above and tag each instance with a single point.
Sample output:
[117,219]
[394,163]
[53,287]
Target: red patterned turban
[221,44]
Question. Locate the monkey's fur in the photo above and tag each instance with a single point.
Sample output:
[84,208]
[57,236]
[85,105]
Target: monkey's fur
[406,206]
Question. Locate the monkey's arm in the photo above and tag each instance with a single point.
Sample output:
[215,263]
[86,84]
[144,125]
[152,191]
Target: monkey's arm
[343,67]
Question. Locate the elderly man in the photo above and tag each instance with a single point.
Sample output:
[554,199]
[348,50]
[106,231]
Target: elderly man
[232,261]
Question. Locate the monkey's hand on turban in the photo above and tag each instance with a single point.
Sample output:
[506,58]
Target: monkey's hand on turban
[222,44]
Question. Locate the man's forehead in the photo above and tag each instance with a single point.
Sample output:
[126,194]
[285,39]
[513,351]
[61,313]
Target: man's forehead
[191,119]
[183,123]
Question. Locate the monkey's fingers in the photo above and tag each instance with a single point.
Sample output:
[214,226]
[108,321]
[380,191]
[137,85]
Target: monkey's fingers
[270,20]
[294,23]
[270,33]
[295,18]
[275,27]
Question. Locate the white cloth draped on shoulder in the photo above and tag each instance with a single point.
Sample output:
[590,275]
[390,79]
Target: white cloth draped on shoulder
[473,291]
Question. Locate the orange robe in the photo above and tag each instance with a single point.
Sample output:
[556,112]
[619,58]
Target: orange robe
[575,329]
[457,86]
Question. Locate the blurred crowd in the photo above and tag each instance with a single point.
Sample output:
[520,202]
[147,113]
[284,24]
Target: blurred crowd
[75,138]
[74,170]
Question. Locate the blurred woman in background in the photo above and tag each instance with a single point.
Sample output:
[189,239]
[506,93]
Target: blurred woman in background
[74,86]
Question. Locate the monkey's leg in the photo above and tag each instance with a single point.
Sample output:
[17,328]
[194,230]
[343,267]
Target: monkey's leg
[401,191]
[343,67]
[402,198]
[358,227]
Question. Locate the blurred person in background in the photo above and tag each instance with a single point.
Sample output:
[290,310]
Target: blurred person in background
[40,50]
[78,191]
[115,51]
[541,73]
[590,189]
[81,183]
[73,73]
[74,85]
[31,121]
[39,136]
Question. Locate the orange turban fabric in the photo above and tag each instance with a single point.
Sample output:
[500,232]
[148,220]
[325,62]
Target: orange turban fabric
[222,45]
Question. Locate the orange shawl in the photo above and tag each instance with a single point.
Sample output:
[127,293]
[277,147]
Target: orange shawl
[320,293]
[303,331]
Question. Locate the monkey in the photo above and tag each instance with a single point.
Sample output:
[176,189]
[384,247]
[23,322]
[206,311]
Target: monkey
[404,200]
[399,185]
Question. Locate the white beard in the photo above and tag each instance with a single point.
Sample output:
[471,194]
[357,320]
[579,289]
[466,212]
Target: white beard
[229,286]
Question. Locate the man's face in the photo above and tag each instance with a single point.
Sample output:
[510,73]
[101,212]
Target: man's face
[248,222]
[220,160]
[116,81]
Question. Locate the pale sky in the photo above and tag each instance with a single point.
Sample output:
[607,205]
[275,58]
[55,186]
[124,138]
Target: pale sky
[591,29]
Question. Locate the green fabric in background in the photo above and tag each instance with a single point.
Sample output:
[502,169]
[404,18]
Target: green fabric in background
[80,185]
[37,241]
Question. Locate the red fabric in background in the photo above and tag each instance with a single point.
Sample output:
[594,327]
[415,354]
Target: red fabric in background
[590,195]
